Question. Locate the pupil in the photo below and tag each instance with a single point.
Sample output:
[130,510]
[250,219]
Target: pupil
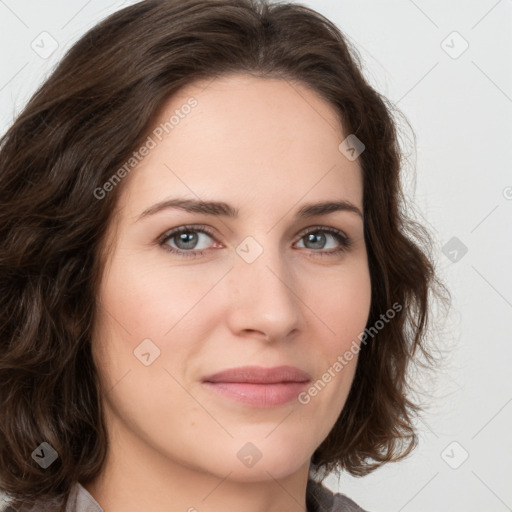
[191,240]
[321,237]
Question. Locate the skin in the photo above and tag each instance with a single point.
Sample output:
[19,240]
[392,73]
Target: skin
[266,148]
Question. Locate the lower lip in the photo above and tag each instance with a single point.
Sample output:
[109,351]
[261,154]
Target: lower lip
[259,395]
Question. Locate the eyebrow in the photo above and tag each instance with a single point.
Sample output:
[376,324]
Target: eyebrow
[219,208]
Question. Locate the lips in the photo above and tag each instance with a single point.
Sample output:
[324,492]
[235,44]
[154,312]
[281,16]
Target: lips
[256,386]
[259,375]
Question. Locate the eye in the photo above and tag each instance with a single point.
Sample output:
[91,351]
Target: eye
[184,240]
[317,237]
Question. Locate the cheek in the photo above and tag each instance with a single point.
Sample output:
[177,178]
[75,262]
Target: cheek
[343,303]
[149,297]
[343,306]
[139,301]
[147,306]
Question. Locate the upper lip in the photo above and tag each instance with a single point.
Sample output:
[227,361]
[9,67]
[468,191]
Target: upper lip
[259,375]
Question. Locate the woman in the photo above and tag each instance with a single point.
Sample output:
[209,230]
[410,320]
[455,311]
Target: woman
[211,294]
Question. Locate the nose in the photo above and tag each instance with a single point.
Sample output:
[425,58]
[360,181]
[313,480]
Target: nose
[263,297]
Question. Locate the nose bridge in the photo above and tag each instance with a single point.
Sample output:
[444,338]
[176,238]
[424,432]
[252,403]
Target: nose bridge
[263,289]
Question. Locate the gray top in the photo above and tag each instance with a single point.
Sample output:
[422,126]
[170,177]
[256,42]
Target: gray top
[318,499]
[322,499]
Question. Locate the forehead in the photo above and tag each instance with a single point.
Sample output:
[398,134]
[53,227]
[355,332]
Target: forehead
[248,141]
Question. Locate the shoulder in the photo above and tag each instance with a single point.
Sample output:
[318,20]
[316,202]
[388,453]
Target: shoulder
[41,506]
[321,499]
[52,504]
[36,507]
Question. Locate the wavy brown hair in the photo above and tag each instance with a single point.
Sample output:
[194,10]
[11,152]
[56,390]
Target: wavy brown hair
[81,125]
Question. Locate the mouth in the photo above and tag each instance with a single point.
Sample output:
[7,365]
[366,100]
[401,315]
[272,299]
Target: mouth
[258,386]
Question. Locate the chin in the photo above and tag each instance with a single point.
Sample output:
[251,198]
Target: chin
[255,462]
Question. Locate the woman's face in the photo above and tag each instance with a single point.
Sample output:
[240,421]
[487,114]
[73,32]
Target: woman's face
[266,287]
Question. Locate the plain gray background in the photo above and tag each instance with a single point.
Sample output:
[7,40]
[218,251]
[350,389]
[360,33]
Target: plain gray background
[448,67]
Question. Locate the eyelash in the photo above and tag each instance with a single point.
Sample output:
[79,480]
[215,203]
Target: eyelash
[344,241]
